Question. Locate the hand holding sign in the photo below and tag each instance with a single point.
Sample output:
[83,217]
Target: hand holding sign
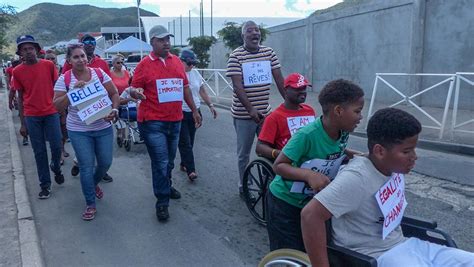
[139,93]
[80,84]
[317,181]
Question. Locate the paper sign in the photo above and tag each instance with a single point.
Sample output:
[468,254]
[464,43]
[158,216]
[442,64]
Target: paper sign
[328,167]
[89,91]
[295,123]
[97,110]
[132,104]
[392,202]
[256,73]
[169,90]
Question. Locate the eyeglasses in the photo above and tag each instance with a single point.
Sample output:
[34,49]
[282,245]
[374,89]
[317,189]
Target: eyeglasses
[89,42]
[51,58]
[119,63]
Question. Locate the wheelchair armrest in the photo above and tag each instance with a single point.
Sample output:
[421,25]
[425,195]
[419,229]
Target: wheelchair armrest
[340,257]
[414,227]
[412,220]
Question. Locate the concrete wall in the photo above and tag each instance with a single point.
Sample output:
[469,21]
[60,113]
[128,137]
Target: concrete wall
[409,36]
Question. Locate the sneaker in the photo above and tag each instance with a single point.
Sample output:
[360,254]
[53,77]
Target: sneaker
[174,194]
[58,176]
[107,178]
[162,213]
[75,170]
[45,193]
[89,213]
[25,141]
[98,192]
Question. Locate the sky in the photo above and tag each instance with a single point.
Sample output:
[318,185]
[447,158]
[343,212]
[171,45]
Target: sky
[221,8]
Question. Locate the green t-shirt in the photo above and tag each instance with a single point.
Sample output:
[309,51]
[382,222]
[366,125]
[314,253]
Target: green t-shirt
[310,142]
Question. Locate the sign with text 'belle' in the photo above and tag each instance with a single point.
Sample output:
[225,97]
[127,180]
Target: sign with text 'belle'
[392,202]
[89,91]
[256,73]
[169,90]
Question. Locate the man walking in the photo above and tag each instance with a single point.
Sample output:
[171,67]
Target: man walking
[251,68]
[162,79]
[34,80]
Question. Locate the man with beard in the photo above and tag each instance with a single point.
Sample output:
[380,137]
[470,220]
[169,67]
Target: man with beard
[94,61]
[34,80]
[251,67]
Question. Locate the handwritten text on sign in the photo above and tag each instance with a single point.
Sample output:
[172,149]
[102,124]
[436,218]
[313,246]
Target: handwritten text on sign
[96,110]
[392,202]
[295,123]
[330,168]
[88,92]
[169,90]
[256,73]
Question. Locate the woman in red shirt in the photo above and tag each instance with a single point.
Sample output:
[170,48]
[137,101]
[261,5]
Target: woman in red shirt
[121,78]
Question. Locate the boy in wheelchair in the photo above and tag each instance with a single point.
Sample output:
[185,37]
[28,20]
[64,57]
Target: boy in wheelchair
[127,114]
[367,202]
[285,120]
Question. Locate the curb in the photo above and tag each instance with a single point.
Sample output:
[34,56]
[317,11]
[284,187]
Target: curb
[445,147]
[30,249]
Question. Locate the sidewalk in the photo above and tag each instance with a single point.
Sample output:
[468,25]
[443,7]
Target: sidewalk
[19,244]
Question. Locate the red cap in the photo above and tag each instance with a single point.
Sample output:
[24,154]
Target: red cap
[42,52]
[296,80]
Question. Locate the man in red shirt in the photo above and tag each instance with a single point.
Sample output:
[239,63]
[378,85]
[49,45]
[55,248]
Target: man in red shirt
[162,79]
[34,80]
[284,121]
[94,61]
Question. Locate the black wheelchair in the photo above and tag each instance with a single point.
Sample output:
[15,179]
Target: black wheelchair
[257,177]
[340,256]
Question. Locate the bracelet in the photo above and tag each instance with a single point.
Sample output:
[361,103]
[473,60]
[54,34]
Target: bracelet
[211,105]
[116,110]
[273,151]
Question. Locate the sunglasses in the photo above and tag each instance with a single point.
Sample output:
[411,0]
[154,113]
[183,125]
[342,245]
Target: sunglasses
[89,42]
[51,58]
[119,63]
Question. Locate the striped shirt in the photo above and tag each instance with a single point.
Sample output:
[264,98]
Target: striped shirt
[259,94]
[73,122]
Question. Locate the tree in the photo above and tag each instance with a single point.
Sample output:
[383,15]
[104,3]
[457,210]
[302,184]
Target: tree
[7,16]
[231,34]
[175,50]
[201,46]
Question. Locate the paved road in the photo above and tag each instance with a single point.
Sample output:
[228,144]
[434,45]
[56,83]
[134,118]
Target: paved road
[209,226]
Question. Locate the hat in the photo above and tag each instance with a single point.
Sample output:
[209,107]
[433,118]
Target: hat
[296,80]
[188,56]
[86,36]
[159,31]
[26,39]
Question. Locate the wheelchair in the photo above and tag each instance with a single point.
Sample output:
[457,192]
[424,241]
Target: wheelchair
[340,256]
[128,115]
[257,177]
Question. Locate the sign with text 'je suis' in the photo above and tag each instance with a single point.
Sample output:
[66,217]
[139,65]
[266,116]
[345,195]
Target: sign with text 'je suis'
[328,167]
[256,73]
[90,91]
[169,90]
[392,202]
[97,109]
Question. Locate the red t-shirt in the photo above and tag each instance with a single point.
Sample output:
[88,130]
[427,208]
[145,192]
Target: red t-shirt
[146,76]
[9,71]
[120,82]
[282,123]
[96,62]
[36,82]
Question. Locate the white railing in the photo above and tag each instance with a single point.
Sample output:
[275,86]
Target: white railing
[460,76]
[218,79]
[441,125]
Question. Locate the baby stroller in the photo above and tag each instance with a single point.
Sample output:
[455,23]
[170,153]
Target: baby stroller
[128,116]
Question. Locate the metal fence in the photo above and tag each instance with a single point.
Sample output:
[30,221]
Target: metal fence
[460,77]
[218,85]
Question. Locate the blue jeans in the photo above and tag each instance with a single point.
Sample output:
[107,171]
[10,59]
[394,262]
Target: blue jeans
[161,139]
[92,147]
[42,129]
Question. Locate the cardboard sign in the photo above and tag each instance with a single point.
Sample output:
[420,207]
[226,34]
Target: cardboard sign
[90,91]
[256,73]
[295,123]
[98,109]
[328,167]
[392,202]
[169,90]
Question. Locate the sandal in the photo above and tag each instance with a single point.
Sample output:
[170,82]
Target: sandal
[89,213]
[65,154]
[192,176]
[98,192]
[182,168]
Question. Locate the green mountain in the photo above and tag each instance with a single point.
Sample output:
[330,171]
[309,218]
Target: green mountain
[50,23]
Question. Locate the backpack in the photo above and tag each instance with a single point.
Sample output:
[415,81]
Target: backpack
[67,77]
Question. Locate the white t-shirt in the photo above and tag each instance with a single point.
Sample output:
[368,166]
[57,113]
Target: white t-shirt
[195,83]
[73,122]
[357,221]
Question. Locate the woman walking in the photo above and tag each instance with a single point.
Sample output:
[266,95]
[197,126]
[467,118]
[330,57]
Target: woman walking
[92,142]
[121,79]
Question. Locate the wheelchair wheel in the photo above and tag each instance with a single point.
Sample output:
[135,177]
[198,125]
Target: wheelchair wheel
[285,257]
[127,144]
[257,177]
[119,142]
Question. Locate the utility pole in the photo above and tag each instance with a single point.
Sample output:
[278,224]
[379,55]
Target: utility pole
[181,29]
[139,29]
[212,33]
[189,24]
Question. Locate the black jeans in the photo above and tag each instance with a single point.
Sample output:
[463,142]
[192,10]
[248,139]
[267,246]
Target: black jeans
[186,141]
[283,224]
